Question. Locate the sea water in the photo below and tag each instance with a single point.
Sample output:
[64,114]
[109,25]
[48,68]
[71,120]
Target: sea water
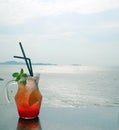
[70,86]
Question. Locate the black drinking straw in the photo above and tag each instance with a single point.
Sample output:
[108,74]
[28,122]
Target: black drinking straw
[29,66]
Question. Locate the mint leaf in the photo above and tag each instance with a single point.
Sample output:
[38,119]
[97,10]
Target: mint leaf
[22,71]
[15,74]
[24,75]
[20,75]
[18,78]
[23,82]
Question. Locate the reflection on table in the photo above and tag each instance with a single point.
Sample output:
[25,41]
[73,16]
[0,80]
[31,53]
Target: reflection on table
[29,124]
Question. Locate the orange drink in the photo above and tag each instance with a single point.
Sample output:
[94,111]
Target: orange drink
[28,98]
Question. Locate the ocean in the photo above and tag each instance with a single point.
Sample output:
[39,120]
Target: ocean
[68,85]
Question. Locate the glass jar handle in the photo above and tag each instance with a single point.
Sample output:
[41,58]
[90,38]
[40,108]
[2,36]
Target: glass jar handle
[9,90]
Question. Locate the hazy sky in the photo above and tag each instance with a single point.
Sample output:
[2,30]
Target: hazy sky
[61,31]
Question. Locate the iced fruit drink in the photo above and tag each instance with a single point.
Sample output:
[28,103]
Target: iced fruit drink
[28,98]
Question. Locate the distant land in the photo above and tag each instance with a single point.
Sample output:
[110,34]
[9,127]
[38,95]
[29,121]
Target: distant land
[13,62]
[22,63]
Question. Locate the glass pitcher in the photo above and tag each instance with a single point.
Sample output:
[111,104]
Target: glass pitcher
[28,97]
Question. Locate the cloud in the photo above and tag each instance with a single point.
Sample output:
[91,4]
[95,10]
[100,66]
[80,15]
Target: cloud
[17,12]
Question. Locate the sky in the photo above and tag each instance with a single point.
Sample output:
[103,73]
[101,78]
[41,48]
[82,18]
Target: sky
[61,31]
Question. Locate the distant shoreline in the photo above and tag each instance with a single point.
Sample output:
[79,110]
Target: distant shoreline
[22,63]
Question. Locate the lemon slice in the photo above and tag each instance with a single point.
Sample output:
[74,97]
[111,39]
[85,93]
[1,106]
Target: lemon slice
[34,97]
